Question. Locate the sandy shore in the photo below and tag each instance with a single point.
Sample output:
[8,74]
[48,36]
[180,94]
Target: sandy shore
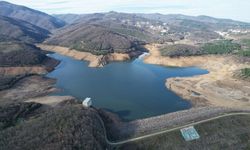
[94,60]
[218,88]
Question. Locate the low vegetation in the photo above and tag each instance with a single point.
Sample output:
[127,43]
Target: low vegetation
[245,72]
[245,42]
[180,50]
[220,47]
[80,47]
[245,48]
[226,133]
[216,48]
[245,53]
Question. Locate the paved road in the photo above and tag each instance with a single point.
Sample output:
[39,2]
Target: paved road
[168,130]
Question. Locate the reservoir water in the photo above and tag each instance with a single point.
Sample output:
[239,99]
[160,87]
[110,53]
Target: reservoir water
[130,89]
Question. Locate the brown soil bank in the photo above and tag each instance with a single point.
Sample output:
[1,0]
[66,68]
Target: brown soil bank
[218,88]
[94,60]
[6,71]
[27,88]
[10,75]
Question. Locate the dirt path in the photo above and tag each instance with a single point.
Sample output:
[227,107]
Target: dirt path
[218,88]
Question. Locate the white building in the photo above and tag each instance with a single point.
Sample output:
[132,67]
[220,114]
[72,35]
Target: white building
[87,102]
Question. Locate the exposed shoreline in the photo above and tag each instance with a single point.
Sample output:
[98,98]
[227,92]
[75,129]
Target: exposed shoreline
[94,60]
[218,88]
[203,90]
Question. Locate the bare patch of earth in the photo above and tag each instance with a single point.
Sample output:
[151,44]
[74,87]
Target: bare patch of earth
[218,88]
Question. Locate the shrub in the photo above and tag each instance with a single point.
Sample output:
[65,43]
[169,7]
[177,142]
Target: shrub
[220,47]
[245,42]
[245,72]
[245,53]
[180,50]
[217,47]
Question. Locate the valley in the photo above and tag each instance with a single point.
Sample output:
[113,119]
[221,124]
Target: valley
[147,74]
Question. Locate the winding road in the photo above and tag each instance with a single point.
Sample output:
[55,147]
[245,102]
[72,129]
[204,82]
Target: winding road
[167,130]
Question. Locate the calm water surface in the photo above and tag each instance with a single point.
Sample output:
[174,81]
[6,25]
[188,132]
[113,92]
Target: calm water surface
[130,89]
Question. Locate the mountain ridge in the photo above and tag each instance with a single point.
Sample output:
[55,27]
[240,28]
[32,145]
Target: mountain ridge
[32,16]
[21,30]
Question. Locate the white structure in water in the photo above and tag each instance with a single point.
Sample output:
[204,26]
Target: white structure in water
[87,102]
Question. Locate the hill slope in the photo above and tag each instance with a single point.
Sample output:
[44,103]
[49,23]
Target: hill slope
[14,53]
[94,38]
[35,17]
[205,22]
[162,28]
[21,30]
[67,127]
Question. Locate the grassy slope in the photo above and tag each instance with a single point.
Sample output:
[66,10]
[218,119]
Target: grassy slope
[226,133]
